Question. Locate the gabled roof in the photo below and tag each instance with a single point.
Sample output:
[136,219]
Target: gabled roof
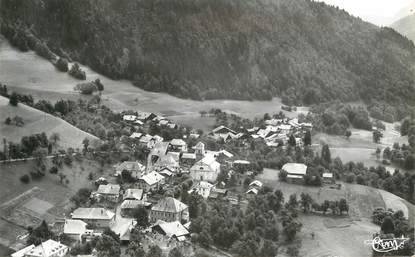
[188,156]
[199,145]
[46,249]
[92,214]
[169,204]
[256,183]
[222,129]
[152,178]
[178,142]
[136,135]
[132,204]
[243,162]
[146,138]
[203,185]
[133,194]
[170,229]
[167,161]
[252,191]
[74,227]
[226,153]
[295,168]
[22,252]
[130,166]
[209,160]
[109,189]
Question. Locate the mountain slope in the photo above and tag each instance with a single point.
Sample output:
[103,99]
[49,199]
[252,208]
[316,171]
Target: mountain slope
[304,51]
[406,26]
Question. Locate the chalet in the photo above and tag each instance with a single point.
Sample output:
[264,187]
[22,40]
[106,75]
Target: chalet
[133,194]
[49,248]
[207,169]
[252,191]
[109,192]
[178,145]
[295,172]
[284,128]
[146,141]
[135,168]
[98,217]
[74,229]
[169,209]
[217,193]
[328,178]
[202,188]
[166,172]
[173,229]
[151,181]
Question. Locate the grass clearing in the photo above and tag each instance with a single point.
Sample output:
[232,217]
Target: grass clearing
[36,122]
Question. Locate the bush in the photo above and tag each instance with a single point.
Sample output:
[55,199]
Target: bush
[62,64]
[86,88]
[14,99]
[76,72]
[53,170]
[25,179]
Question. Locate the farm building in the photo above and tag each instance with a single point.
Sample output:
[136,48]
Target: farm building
[98,217]
[128,206]
[207,169]
[169,209]
[295,172]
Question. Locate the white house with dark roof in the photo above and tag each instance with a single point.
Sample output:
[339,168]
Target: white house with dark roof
[98,217]
[169,209]
[49,248]
[207,169]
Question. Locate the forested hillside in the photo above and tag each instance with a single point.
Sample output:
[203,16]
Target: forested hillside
[406,26]
[305,51]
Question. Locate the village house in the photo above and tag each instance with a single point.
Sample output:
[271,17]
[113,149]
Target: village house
[134,194]
[328,178]
[134,167]
[202,188]
[136,135]
[188,159]
[49,248]
[223,132]
[129,118]
[97,217]
[145,116]
[207,169]
[255,184]
[178,145]
[166,161]
[74,229]
[169,209]
[109,192]
[295,172]
[128,206]
[173,229]
[151,181]
[147,141]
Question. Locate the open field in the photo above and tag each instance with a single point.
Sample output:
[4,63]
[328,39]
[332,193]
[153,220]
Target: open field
[47,199]
[342,236]
[360,147]
[29,73]
[36,122]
